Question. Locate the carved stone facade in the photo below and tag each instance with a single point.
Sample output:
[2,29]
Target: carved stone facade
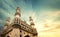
[18,28]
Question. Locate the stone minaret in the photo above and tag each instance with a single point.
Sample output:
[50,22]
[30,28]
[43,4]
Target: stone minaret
[31,22]
[7,23]
[17,16]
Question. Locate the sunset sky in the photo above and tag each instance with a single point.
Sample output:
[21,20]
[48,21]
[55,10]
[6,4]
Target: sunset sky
[45,13]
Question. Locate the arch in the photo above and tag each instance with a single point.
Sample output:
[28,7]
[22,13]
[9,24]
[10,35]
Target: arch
[20,35]
[27,36]
[8,36]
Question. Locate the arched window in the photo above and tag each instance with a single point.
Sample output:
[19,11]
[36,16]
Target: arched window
[20,35]
[27,36]
[17,20]
[20,31]
[8,36]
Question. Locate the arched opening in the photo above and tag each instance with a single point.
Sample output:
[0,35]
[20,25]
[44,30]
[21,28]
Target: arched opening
[27,36]
[20,35]
[8,36]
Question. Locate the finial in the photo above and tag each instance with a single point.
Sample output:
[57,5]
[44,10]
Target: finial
[30,18]
[17,11]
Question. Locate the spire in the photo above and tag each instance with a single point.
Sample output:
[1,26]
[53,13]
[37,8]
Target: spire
[17,12]
[31,21]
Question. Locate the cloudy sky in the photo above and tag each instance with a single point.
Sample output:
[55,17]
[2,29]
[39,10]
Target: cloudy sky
[44,12]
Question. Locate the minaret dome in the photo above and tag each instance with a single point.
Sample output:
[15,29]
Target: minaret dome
[17,14]
[31,22]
